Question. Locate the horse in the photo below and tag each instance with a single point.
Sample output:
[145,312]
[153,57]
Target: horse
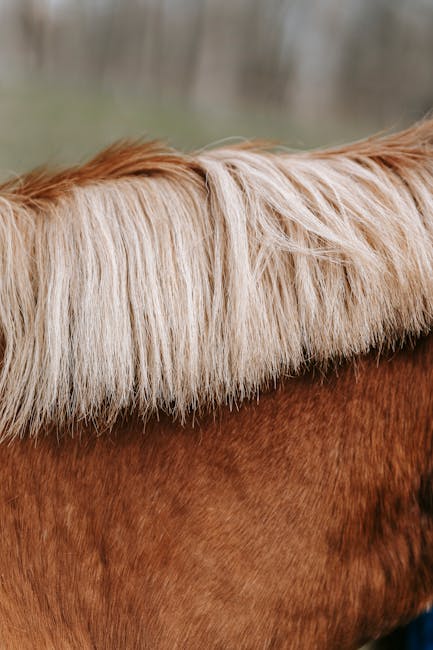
[215,397]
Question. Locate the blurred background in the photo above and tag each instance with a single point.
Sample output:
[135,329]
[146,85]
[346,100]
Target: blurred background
[78,74]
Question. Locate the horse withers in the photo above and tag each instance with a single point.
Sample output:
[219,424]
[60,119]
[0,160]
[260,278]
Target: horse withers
[215,397]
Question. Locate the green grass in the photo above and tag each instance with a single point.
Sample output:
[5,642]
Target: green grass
[42,123]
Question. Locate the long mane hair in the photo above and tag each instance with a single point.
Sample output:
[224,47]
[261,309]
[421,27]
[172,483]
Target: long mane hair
[152,280]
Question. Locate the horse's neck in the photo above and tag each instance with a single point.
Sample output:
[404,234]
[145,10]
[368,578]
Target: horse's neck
[302,521]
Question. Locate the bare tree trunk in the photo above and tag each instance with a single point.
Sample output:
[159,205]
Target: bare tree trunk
[195,49]
[158,47]
[34,19]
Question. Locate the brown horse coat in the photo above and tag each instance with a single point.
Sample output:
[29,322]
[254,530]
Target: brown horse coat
[304,521]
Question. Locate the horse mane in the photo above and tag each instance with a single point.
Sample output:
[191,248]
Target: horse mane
[151,280]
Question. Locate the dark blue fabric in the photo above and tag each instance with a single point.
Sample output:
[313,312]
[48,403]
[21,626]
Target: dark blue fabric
[419,633]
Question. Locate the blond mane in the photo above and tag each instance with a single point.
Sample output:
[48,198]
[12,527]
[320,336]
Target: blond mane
[150,280]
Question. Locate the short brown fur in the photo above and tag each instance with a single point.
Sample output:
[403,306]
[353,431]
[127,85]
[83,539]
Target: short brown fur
[304,521]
